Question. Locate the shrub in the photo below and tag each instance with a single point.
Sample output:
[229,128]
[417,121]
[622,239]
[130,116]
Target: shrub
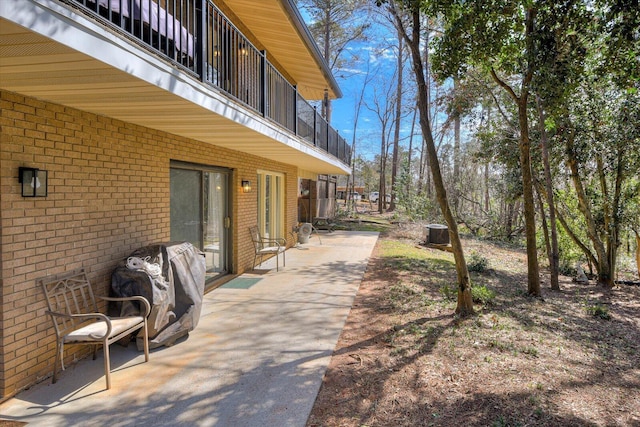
[477,262]
[599,310]
[482,295]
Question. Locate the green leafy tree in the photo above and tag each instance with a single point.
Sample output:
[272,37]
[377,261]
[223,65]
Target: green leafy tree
[519,44]
[602,141]
[409,19]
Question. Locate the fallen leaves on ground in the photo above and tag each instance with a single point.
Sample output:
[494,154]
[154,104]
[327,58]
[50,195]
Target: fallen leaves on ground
[571,358]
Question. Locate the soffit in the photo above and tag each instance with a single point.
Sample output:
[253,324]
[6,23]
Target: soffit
[39,67]
[276,29]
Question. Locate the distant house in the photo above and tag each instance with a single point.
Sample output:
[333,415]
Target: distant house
[342,191]
[154,121]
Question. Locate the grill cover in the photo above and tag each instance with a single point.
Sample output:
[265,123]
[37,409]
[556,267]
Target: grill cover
[175,297]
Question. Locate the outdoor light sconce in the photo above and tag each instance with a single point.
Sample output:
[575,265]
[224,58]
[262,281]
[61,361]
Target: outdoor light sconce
[34,182]
[246,186]
[242,49]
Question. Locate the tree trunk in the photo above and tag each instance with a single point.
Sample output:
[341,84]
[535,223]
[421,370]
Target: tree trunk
[486,172]
[326,102]
[591,259]
[508,218]
[638,253]
[487,205]
[604,273]
[421,169]
[521,101]
[529,208]
[383,173]
[554,256]
[545,228]
[410,155]
[614,229]
[456,152]
[396,134]
[465,303]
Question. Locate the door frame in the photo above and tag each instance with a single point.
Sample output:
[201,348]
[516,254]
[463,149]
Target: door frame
[227,250]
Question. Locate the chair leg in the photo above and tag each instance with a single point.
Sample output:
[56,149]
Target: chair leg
[107,365]
[254,261]
[146,341]
[58,362]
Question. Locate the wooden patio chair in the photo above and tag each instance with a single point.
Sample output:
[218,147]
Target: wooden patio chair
[267,246]
[76,318]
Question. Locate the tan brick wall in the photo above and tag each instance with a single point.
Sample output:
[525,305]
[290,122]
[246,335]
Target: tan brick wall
[108,195]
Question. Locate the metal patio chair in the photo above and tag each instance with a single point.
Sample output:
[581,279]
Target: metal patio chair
[76,318]
[267,246]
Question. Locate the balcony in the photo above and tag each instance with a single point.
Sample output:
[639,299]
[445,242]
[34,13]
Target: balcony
[209,47]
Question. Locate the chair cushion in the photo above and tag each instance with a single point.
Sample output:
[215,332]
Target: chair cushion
[94,331]
[272,249]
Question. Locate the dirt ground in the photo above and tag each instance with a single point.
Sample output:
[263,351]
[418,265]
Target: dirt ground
[571,358]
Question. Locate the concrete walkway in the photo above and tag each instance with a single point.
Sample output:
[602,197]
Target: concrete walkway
[257,357]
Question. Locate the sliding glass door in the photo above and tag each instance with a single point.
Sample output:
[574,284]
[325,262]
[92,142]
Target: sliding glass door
[271,204]
[200,212]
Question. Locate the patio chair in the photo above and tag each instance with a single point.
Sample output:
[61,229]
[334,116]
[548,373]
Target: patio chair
[76,319]
[267,246]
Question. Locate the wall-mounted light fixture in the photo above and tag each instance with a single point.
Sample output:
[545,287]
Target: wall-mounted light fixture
[246,186]
[242,49]
[34,182]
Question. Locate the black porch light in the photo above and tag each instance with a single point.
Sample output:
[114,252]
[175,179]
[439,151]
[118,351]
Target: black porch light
[246,186]
[34,182]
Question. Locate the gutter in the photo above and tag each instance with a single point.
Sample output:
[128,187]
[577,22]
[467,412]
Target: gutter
[307,38]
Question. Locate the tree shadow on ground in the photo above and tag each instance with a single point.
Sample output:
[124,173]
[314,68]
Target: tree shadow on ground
[390,358]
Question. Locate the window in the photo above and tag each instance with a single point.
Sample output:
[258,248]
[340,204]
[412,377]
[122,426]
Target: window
[271,204]
[200,212]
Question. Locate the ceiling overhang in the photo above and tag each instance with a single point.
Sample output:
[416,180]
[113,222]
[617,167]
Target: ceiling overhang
[50,53]
[279,27]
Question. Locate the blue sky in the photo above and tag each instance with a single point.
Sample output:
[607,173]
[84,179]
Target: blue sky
[378,55]
[382,65]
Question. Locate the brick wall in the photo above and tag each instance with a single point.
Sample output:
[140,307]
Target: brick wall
[108,195]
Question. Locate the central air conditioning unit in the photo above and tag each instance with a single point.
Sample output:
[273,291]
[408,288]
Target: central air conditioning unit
[436,234]
[304,231]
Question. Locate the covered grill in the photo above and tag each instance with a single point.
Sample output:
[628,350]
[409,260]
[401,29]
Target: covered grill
[171,276]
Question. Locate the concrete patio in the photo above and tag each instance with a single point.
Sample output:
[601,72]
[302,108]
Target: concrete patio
[257,357]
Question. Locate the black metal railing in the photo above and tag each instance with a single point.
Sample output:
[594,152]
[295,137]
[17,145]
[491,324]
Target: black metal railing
[213,49]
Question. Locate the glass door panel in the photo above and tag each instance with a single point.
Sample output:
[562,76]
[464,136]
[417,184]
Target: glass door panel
[200,213]
[215,213]
[271,204]
[186,218]
[267,206]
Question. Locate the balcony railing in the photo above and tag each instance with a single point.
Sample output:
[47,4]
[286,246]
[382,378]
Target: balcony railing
[211,48]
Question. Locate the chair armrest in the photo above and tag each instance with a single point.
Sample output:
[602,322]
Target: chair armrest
[269,242]
[143,300]
[86,316]
[275,241]
[281,240]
